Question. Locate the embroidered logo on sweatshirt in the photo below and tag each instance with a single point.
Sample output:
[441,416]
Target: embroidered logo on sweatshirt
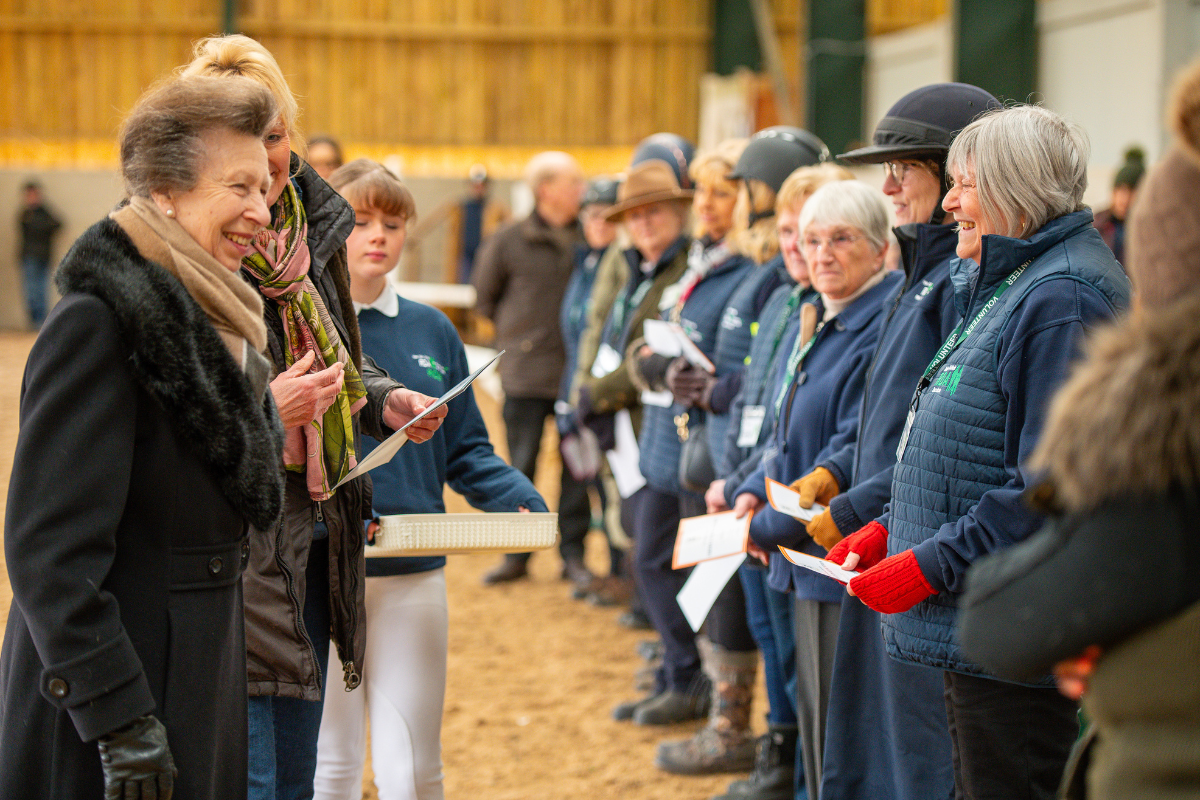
[432,368]
[947,380]
[731,320]
[925,290]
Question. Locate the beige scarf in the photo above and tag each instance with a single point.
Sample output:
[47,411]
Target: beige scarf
[233,306]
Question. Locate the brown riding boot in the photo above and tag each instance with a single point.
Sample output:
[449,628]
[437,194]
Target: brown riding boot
[726,743]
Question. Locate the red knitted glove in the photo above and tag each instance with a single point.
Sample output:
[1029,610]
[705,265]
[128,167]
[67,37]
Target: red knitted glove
[893,585]
[869,541]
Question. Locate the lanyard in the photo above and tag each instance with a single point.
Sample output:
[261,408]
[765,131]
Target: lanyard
[629,302]
[957,337]
[798,353]
[793,302]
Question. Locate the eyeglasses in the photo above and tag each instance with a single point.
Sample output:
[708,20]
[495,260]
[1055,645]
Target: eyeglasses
[897,169]
[840,243]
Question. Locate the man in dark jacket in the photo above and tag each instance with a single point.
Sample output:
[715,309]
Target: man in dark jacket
[520,277]
[38,227]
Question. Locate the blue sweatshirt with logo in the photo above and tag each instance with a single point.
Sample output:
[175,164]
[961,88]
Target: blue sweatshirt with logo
[420,348]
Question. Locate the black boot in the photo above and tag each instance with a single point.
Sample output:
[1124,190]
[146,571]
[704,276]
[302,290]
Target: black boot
[514,567]
[774,768]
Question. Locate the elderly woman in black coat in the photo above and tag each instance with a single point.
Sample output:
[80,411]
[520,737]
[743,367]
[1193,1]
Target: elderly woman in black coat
[148,444]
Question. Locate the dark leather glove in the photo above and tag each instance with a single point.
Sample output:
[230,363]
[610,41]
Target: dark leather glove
[605,428]
[137,763]
[687,382]
[652,369]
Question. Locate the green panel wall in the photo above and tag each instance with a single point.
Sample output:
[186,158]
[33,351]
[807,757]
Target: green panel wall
[836,57]
[996,46]
[734,42]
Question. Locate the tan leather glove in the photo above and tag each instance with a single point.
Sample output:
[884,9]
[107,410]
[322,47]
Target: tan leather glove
[818,486]
[824,530]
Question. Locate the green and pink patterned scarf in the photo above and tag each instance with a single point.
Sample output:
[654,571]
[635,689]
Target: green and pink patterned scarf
[324,448]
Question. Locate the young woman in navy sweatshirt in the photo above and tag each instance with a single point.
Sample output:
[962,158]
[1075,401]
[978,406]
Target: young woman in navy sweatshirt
[404,679]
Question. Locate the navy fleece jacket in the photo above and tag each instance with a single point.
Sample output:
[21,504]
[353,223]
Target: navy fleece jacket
[421,349]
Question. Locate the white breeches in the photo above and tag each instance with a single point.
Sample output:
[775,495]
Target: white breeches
[402,693]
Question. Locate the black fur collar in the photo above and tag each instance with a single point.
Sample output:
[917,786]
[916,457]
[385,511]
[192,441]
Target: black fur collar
[181,361]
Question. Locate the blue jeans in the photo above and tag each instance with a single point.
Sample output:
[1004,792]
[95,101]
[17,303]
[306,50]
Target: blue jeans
[779,694]
[35,272]
[283,730]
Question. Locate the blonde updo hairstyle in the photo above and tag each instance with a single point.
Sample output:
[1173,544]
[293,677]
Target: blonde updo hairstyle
[235,54]
[800,185]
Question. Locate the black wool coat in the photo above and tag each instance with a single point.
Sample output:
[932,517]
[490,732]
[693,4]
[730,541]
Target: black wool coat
[143,454]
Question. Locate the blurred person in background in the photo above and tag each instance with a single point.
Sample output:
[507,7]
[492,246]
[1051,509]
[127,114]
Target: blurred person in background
[886,734]
[324,154]
[768,612]
[38,226]
[672,397]
[404,677]
[1118,454]
[305,579]
[473,219]
[1032,275]
[522,271]
[816,398]
[580,448]
[1111,221]
[124,665]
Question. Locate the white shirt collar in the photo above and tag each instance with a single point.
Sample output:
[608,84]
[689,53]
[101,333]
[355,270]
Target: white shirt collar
[388,303]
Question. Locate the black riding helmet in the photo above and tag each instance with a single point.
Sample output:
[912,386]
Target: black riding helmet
[922,125]
[670,148]
[601,191]
[774,153]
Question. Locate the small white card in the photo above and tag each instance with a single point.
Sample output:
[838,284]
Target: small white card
[658,399]
[607,361]
[785,501]
[669,339]
[623,458]
[710,536]
[752,422]
[819,565]
[700,591]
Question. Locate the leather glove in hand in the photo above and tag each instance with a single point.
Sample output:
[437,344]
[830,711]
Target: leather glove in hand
[652,369]
[136,762]
[824,530]
[686,382]
[818,486]
[870,542]
[893,585]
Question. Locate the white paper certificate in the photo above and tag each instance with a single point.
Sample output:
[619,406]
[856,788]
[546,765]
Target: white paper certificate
[827,568]
[390,446]
[785,501]
[710,536]
[700,591]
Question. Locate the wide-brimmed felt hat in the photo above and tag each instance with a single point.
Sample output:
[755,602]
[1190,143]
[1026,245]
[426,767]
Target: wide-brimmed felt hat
[648,182]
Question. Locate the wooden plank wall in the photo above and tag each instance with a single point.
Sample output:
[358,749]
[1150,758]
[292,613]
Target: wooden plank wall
[466,73]
[887,16]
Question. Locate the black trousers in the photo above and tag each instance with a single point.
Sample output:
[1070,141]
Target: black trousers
[524,422]
[1009,741]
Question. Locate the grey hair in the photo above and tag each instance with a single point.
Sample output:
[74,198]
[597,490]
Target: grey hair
[1030,166]
[545,166]
[162,139]
[849,203]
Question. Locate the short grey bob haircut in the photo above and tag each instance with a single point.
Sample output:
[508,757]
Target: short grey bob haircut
[1029,164]
[162,139]
[852,204]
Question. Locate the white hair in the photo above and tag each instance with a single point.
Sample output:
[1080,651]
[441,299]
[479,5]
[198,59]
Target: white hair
[548,165]
[1030,166]
[849,203]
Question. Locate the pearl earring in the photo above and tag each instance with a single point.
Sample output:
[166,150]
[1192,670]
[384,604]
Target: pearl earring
[170,212]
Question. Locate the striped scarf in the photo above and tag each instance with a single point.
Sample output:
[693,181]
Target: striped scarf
[324,448]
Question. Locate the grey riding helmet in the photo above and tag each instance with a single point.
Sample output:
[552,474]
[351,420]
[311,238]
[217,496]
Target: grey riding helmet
[774,153]
[671,148]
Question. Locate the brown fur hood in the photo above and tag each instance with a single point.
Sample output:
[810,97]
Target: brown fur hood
[1128,420]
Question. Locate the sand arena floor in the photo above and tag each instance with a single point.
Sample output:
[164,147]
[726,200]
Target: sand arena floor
[532,674]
